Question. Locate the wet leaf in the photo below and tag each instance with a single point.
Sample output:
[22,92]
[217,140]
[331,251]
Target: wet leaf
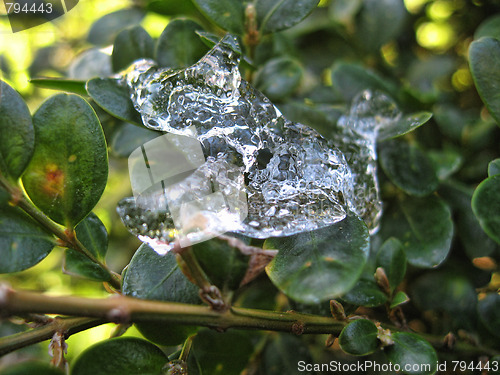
[486,206]
[405,125]
[75,86]
[69,168]
[119,356]
[392,258]
[359,337]
[22,242]
[17,136]
[322,264]
[484,60]
[408,168]
[365,293]
[114,99]
[412,351]
[424,227]
[489,313]
[276,15]
[227,14]
[131,44]
[105,29]
[179,45]
[279,78]
[128,137]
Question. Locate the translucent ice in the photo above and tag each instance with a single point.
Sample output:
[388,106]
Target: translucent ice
[292,178]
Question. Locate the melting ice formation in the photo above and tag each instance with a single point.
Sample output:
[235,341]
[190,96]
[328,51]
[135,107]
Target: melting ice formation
[271,176]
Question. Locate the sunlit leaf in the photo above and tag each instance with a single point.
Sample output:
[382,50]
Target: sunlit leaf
[62,84]
[228,14]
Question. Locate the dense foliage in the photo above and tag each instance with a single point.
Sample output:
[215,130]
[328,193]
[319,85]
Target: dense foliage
[422,290]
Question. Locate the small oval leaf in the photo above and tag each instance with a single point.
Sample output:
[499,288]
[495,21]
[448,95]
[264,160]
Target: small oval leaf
[365,293]
[276,15]
[17,135]
[359,337]
[75,86]
[315,266]
[228,14]
[128,137]
[279,78]
[486,206]
[105,29]
[131,44]
[118,356]
[412,353]
[399,299]
[69,168]
[392,258]
[494,167]
[489,313]
[404,125]
[22,242]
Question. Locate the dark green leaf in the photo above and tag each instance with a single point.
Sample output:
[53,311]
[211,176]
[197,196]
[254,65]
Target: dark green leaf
[446,292]
[77,264]
[489,27]
[222,353]
[486,206]
[365,293]
[404,125]
[489,313]
[283,354]
[399,299]
[22,242]
[158,277]
[131,44]
[105,29]
[359,337]
[392,258]
[17,137]
[343,11]
[179,45]
[379,22]
[446,162]
[114,98]
[119,356]
[69,168]
[494,167]
[224,265]
[351,79]
[75,86]
[32,368]
[171,7]
[228,14]
[408,168]
[322,264]
[484,60]
[424,227]
[412,351]
[128,137]
[279,78]
[276,15]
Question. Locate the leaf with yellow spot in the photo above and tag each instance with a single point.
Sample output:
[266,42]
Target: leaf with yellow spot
[69,168]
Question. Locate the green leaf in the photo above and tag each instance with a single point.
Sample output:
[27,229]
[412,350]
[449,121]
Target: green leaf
[408,168]
[446,162]
[32,368]
[128,137]
[489,28]
[392,258]
[279,78]
[322,264]
[343,11]
[114,98]
[399,299]
[351,79]
[359,337]
[75,86]
[179,45]
[69,168]
[224,265]
[22,242]
[379,22]
[448,292]
[158,277]
[17,136]
[404,125]
[412,351]
[486,206]
[494,167]
[227,14]
[171,7]
[105,29]
[119,356]
[222,353]
[277,15]
[484,60]
[283,355]
[489,313]
[131,44]
[365,293]
[93,235]
[424,227]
